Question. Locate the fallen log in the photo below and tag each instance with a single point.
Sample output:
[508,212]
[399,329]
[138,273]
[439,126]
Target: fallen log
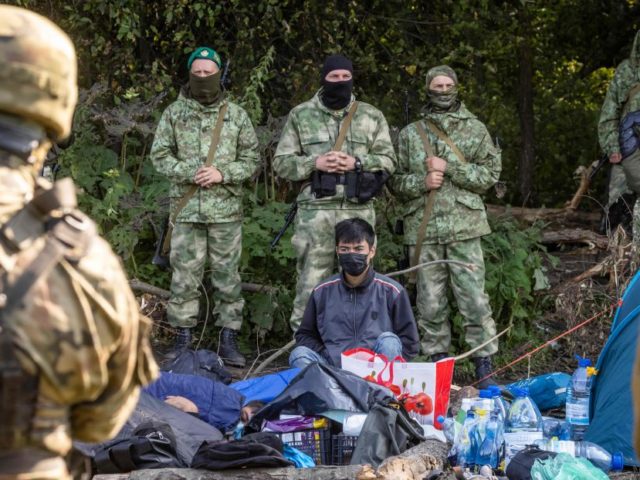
[560,216]
[410,465]
[576,235]
[143,287]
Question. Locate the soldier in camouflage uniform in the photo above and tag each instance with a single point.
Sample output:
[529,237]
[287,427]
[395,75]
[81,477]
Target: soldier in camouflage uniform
[621,99]
[74,349]
[305,147]
[458,218]
[209,227]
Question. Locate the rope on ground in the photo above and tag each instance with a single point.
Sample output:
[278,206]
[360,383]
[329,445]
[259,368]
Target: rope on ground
[482,345]
[270,359]
[468,266]
[546,344]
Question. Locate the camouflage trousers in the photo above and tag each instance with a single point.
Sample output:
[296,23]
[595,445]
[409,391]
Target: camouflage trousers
[469,291]
[315,246]
[617,185]
[192,244]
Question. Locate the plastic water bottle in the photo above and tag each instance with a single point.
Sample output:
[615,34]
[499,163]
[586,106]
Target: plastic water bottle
[466,456]
[490,445]
[450,428]
[578,395]
[523,425]
[523,415]
[498,401]
[591,451]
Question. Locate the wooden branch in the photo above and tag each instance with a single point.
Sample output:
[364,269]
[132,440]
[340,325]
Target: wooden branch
[414,464]
[143,287]
[576,235]
[271,358]
[559,215]
[582,188]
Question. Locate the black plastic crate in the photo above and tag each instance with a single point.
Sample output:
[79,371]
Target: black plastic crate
[342,447]
[315,442]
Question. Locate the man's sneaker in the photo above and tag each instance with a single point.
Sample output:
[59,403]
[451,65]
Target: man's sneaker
[483,369]
[183,339]
[228,348]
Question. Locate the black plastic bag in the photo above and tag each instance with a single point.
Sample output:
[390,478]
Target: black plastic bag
[251,451]
[520,466]
[198,362]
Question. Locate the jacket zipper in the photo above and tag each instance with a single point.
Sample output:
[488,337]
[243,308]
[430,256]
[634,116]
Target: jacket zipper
[352,295]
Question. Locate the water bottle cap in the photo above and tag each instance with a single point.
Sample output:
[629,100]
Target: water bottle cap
[440,419]
[584,363]
[495,390]
[471,414]
[617,461]
[486,393]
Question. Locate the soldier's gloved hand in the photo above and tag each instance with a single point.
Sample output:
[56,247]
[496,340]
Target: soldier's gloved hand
[434,180]
[436,163]
[327,162]
[628,138]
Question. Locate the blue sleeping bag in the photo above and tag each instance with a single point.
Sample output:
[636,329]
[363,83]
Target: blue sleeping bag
[548,391]
[218,404]
[265,388]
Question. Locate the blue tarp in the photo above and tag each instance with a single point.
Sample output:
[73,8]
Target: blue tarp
[218,404]
[265,388]
[548,391]
[611,411]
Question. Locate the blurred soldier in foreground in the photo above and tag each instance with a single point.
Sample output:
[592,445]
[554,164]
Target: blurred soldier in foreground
[74,348]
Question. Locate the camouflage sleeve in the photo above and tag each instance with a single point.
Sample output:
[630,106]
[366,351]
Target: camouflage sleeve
[164,153]
[404,183]
[381,155]
[290,162]
[610,115]
[246,154]
[482,169]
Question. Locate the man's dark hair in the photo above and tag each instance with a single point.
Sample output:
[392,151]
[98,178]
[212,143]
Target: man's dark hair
[354,230]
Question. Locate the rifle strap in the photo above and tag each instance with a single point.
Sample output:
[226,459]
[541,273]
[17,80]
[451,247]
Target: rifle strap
[345,127]
[215,139]
[431,198]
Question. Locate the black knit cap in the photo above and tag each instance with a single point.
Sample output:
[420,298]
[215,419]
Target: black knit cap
[336,62]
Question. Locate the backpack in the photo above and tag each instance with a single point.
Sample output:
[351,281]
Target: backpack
[198,362]
[152,445]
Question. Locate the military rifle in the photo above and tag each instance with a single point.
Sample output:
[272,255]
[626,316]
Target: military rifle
[598,166]
[288,220]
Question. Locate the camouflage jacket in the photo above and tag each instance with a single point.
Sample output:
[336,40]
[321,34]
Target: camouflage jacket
[458,212]
[78,329]
[617,102]
[312,129]
[181,145]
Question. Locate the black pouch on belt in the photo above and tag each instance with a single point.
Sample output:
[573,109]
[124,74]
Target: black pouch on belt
[323,184]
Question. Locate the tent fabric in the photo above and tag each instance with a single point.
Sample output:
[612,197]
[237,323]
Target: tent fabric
[611,409]
[319,388]
[218,404]
[267,387]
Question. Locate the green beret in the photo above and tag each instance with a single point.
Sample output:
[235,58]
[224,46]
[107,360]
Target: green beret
[204,53]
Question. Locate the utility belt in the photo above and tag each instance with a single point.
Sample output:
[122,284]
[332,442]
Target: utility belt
[359,186]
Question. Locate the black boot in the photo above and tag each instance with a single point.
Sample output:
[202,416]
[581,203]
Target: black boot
[483,368]
[438,356]
[183,339]
[228,348]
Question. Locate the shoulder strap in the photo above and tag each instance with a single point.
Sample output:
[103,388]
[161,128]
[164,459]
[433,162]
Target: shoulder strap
[443,136]
[215,139]
[633,91]
[425,140]
[345,127]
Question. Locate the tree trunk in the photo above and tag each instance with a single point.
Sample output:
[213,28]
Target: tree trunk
[526,163]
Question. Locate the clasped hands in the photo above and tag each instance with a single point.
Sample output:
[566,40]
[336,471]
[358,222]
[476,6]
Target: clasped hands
[335,162]
[207,176]
[436,167]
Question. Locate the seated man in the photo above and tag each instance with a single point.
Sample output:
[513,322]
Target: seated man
[355,308]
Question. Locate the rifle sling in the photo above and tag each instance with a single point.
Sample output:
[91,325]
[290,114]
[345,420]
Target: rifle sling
[431,198]
[345,127]
[215,139]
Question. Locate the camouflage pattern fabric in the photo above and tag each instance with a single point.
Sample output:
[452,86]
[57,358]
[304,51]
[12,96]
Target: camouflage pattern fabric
[457,221]
[311,130]
[458,212]
[468,290]
[616,105]
[314,243]
[79,330]
[181,145]
[192,244]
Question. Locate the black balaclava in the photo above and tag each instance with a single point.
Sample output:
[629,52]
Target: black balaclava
[336,95]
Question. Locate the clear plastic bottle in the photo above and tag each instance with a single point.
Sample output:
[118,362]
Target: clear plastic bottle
[450,427]
[523,415]
[499,401]
[578,396]
[591,451]
[465,454]
[490,445]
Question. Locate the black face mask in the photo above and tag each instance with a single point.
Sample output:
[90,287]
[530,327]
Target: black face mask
[353,263]
[336,95]
[205,90]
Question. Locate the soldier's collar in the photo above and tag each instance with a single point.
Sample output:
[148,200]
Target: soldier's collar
[334,113]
